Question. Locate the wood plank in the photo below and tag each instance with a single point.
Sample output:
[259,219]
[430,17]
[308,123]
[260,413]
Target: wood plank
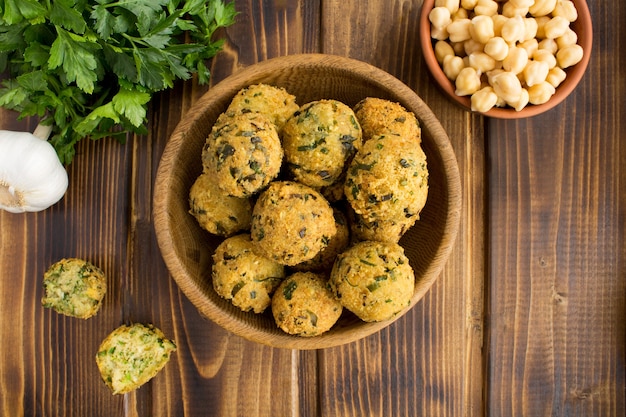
[430,362]
[54,370]
[217,373]
[557,295]
[106,217]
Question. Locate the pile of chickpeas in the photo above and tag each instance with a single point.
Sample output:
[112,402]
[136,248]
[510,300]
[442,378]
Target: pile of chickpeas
[503,53]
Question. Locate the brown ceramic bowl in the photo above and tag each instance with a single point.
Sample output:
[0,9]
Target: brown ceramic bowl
[187,249]
[583,28]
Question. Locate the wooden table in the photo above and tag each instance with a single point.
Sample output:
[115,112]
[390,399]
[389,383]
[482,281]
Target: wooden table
[527,318]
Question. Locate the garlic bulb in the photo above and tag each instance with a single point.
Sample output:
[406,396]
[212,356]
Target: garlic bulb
[31,176]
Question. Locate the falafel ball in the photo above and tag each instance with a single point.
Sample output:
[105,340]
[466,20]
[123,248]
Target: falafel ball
[132,355]
[379,116]
[318,141]
[74,287]
[387,179]
[304,305]
[243,153]
[380,230]
[215,211]
[324,260]
[373,280]
[291,223]
[274,102]
[243,277]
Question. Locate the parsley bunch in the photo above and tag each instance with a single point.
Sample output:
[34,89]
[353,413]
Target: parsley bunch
[90,67]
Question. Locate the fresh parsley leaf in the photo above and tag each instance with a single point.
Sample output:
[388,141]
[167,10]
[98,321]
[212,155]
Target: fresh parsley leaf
[76,56]
[15,11]
[12,95]
[87,66]
[145,10]
[33,81]
[36,54]
[11,13]
[93,119]
[131,104]
[63,14]
[104,21]
[32,10]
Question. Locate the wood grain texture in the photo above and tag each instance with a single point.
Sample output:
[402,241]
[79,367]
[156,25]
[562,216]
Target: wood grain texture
[527,318]
[401,370]
[216,373]
[557,200]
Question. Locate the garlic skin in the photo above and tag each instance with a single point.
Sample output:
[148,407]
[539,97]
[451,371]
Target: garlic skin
[31,176]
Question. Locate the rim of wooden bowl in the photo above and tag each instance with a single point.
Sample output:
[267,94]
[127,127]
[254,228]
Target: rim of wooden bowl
[583,28]
[171,192]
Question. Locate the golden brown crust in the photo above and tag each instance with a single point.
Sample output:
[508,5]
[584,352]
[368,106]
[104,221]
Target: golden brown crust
[274,102]
[243,277]
[291,223]
[378,117]
[387,179]
[303,305]
[324,260]
[318,141]
[74,287]
[243,154]
[373,280]
[215,211]
[132,355]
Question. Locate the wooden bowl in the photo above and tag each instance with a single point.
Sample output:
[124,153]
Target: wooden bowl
[583,28]
[187,249]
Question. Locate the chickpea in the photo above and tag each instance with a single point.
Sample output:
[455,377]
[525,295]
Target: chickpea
[541,23]
[549,45]
[470,46]
[452,66]
[516,60]
[505,52]
[468,4]
[484,100]
[556,76]
[556,27]
[492,74]
[540,93]
[542,7]
[568,38]
[535,72]
[459,30]
[438,34]
[507,86]
[566,9]
[498,22]
[545,56]
[439,17]
[467,82]
[530,28]
[522,102]
[452,5]
[460,14]
[486,7]
[481,29]
[530,46]
[481,62]
[568,56]
[521,3]
[443,49]
[459,48]
[513,29]
[497,48]
[510,10]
